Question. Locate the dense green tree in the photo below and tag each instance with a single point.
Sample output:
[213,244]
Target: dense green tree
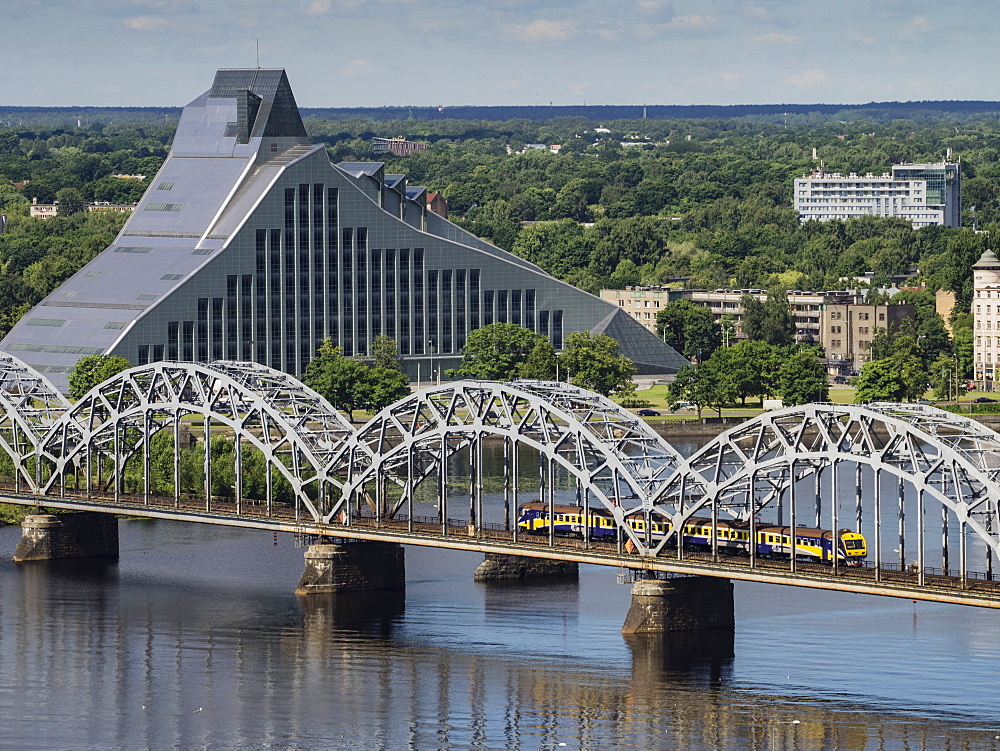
[385,352]
[927,327]
[703,385]
[70,201]
[802,378]
[751,367]
[337,378]
[541,363]
[688,328]
[495,222]
[592,361]
[498,352]
[945,377]
[899,377]
[770,320]
[380,386]
[92,370]
[626,274]
[962,336]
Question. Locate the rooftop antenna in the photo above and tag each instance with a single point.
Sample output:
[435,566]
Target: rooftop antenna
[258,52]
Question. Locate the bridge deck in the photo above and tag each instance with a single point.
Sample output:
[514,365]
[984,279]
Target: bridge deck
[889,580]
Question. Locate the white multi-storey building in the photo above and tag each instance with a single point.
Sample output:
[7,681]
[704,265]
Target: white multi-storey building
[925,194]
[986,310]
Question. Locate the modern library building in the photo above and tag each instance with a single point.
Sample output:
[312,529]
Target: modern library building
[251,245]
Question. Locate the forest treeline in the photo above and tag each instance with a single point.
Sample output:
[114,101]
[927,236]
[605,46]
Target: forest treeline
[15,116]
[706,201]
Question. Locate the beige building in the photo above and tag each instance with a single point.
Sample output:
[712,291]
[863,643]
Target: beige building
[986,312]
[49,210]
[805,306]
[848,328]
[838,320]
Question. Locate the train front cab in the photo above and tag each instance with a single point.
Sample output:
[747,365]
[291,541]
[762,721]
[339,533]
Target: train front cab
[853,549]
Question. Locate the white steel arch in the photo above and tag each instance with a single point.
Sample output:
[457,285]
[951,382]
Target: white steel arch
[950,458]
[29,406]
[616,458]
[291,425]
[612,454]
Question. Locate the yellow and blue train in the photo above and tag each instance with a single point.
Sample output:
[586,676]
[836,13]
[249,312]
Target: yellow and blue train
[732,536]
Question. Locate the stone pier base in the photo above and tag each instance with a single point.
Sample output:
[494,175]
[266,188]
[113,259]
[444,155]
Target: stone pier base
[683,604]
[47,537]
[353,567]
[498,567]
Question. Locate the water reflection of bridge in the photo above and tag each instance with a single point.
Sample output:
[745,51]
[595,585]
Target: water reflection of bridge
[921,484]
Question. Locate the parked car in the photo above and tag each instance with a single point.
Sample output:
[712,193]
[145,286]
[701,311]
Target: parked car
[925,401]
[648,413]
[841,379]
[984,400]
[681,405]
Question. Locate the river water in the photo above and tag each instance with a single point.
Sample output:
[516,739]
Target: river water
[195,640]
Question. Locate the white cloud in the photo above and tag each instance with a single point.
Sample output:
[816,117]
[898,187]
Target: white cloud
[606,32]
[318,7]
[658,8]
[145,23]
[853,35]
[776,39]
[691,22]
[577,88]
[728,76]
[808,78]
[919,25]
[546,31]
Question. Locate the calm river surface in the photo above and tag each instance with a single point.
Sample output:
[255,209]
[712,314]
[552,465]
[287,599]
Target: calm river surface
[195,640]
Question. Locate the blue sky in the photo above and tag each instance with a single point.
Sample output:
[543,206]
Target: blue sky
[450,52]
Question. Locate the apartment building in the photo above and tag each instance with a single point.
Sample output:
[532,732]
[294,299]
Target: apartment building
[925,194]
[849,327]
[986,313]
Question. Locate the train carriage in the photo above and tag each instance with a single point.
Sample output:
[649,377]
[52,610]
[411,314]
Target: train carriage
[730,536]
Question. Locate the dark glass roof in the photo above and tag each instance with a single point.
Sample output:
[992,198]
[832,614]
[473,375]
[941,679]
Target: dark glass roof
[639,344]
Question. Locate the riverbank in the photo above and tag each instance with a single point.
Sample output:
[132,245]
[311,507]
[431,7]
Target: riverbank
[712,426]
[13,514]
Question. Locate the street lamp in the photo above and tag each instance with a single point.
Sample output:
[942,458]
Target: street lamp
[430,350]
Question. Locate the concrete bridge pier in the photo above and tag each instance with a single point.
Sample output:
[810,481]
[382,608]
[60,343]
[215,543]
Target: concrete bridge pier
[47,537]
[692,603]
[348,566]
[500,567]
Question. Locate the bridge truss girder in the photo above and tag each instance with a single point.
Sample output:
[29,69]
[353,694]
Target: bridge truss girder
[953,460]
[608,451]
[615,459]
[294,428]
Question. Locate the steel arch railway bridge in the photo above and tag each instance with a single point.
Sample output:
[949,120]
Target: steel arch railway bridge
[921,484]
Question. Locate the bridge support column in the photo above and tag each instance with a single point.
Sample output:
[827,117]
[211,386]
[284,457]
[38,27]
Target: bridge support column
[47,537]
[683,604]
[353,567]
[499,567]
